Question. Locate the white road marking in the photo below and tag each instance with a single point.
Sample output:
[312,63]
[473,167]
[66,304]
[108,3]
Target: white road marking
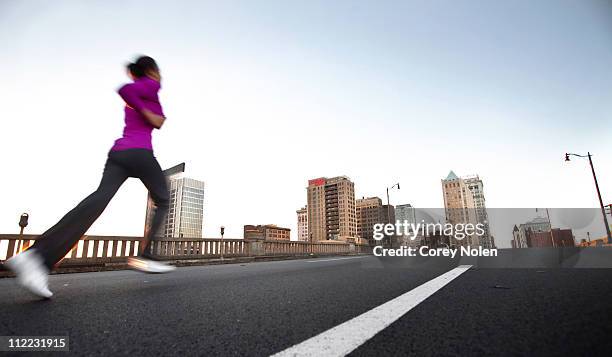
[329,260]
[344,338]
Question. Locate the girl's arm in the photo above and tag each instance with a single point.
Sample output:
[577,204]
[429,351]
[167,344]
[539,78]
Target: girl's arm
[130,93]
[155,120]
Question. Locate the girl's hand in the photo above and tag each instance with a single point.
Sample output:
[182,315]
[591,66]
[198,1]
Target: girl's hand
[155,120]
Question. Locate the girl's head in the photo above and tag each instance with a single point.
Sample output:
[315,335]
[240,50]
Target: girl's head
[144,66]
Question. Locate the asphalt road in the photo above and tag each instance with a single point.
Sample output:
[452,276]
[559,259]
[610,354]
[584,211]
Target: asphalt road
[259,309]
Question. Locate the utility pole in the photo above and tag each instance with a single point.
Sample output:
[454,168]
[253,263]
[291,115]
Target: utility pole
[603,209]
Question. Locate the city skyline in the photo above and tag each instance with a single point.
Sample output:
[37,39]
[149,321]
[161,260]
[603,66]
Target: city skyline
[501,89]
[306,178]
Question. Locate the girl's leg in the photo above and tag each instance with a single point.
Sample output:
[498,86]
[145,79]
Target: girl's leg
[56,242]
[151,175]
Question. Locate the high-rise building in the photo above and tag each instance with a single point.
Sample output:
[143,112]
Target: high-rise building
[476,187]
[302,224]
[266,232]
[405,213]
[371,211]
[186,212]
[464,203]
[368,214]
[331,209]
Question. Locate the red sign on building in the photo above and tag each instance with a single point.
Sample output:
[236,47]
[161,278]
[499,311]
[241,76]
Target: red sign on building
[317,182]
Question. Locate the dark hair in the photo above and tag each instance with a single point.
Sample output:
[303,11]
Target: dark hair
[143,64]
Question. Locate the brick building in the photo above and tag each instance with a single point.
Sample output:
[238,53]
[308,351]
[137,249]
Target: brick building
[331,209]
[555,238]
[371,211]
[266,232]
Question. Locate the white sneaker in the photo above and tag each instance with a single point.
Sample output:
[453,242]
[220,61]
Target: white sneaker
[149,266]
[31,273]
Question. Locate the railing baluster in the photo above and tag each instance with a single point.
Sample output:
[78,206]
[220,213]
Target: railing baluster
[11,249]
[96,243]
[75,250]
[105,249]
[133,250]
[85,251]
[126,248]
[117,248]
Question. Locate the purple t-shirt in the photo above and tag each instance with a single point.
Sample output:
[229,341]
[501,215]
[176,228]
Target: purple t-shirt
[140,94]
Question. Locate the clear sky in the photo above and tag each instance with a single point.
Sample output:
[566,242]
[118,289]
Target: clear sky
[263,95]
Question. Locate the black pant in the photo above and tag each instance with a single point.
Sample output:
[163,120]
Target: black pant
[56,242]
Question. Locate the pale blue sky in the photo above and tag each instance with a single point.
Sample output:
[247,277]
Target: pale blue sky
[403,91]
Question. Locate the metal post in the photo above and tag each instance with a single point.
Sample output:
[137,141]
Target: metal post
[388,211]
[388,214]
[23,222]
[389,207]
[603,210]
[311,244]
[552,239]
[222,242]
[589,237]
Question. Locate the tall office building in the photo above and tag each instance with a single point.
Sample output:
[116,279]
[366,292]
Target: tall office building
[331,209]
[186,212]
[464,202]
[476,187]
[371,211]
[405,213]
[368,214]
[302,224]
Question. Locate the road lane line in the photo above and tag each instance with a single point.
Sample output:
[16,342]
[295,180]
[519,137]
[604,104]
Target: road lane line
[344,338]
[329,260]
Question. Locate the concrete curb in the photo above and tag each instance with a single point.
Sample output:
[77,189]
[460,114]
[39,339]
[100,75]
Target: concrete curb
[69,269]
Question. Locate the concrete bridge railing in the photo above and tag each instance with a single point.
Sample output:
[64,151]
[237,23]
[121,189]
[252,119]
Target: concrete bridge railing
[107,250]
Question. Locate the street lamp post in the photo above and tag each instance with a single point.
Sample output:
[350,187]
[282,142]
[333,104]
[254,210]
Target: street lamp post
[23,222]
[311,243]
[222,242]
[389,205]
[603,210]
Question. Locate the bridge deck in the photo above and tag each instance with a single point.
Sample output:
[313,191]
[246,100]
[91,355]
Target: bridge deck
[263,308]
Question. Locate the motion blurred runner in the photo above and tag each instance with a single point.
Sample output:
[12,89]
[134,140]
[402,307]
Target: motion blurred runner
[130,156]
